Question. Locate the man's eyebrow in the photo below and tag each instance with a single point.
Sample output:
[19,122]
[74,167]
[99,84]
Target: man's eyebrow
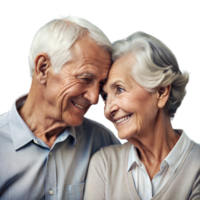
[88,74]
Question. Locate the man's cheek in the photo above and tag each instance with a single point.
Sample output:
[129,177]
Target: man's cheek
[68,88]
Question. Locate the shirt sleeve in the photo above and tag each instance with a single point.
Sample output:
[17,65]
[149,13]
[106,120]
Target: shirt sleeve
[96,180]
[195,195]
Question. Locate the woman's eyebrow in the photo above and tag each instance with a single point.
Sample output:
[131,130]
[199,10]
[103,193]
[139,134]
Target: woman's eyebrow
[111,85]
[115,83]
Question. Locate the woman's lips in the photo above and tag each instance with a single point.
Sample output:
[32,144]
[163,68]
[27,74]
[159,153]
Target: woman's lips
[122,119]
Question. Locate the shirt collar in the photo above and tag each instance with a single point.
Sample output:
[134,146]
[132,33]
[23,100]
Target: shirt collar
[177,153]
[173,158]
[70,130]
[21,134]
[133,158]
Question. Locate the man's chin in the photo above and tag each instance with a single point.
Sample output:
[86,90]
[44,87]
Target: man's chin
[78,123]
[74,121]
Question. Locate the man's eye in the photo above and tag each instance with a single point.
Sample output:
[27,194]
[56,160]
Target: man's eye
[88,80]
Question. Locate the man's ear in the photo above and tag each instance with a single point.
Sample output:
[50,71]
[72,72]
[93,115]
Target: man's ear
[42,65]
[163,95]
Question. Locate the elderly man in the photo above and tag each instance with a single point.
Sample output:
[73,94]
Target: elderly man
[45,142]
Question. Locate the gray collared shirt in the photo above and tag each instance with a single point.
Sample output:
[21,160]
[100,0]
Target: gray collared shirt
[29,169]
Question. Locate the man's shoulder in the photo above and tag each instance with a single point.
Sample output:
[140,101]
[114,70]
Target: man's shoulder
[3,119]
[4,129]
[91,124]
[97,134]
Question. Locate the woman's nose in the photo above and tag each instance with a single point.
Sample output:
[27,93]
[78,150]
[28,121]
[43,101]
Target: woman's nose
[111,107]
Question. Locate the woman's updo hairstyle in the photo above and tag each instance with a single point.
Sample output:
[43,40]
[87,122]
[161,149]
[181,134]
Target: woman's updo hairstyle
[156,66]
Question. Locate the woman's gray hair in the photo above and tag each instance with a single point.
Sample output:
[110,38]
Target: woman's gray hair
[156,66]
[58,36]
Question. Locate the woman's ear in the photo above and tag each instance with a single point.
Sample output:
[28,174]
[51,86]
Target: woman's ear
[163,95]
[42,65]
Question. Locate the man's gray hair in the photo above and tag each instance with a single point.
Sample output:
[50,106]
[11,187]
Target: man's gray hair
[156,66]
[58,36]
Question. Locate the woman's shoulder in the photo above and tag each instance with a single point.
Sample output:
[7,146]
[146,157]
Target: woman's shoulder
[109,161]
[115,148]
[194,153]
[112,153]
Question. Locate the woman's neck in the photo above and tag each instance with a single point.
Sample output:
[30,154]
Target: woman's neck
[155,143]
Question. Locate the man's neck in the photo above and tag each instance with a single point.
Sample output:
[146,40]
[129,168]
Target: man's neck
[35,115]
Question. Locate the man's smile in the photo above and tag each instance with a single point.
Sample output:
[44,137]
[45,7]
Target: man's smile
[78,105]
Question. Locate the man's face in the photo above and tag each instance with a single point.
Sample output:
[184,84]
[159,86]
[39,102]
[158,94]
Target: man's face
[76,87]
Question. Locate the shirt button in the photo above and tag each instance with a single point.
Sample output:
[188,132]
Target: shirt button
[165,163]
[149,186]
[50,153]
[50,192]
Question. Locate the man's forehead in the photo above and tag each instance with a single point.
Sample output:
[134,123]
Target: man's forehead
[102,62]
[90,59]
[86,48]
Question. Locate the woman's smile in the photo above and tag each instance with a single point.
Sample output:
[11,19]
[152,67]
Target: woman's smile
[122,120]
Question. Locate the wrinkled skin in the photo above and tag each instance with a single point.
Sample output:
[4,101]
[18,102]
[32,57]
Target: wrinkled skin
[147,125]
[78,81]
[57,100]
[125,98]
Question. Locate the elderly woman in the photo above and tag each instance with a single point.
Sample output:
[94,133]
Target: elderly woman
[144,89]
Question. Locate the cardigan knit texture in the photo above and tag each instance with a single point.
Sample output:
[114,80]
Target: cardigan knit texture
[108,177]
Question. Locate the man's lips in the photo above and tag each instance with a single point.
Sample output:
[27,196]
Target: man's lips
[81,106]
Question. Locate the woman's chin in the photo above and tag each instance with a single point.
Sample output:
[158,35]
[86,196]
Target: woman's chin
[123,136]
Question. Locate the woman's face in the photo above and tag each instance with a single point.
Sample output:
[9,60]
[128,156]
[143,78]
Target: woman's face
[129,106]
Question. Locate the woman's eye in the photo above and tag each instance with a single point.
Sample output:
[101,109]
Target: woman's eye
[120,90]
[104,96]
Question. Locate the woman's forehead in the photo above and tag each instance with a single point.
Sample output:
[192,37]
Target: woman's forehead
[120,72]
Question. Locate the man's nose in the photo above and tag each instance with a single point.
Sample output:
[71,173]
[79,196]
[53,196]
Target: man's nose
[92,94]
